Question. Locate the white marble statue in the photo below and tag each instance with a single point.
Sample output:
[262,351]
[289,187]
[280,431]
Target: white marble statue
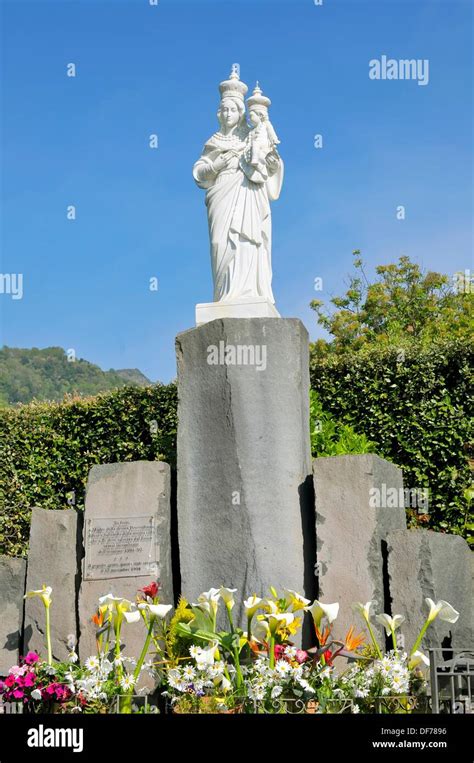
[262,136]
[241,171]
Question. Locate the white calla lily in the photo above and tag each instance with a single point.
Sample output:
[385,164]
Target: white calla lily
[390,623]
[270,606]
[158,610]
[297,601]
[261,630]
[44,593]
[320,611]
[116,602]
[443,610]
[206,656]
[225,684]
[416,659]
[365,609]
[227,596]
[209,601]
[118,607]
[278,621]
[252,604]
[133,616]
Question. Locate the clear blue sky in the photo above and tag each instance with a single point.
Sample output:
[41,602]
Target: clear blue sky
[145,69]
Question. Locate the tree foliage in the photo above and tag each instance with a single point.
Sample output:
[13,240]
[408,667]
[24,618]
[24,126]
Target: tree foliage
[403,306]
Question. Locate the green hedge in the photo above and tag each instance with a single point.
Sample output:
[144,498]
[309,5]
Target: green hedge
[47,449]
[416,405]
[413,407]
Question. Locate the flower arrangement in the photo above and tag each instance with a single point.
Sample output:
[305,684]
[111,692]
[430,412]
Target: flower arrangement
[201,668]
[105,680]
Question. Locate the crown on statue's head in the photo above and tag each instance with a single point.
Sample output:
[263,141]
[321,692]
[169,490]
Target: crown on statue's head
[258,99]
[233,87]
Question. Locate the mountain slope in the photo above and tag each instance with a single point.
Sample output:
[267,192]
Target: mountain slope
[47,374]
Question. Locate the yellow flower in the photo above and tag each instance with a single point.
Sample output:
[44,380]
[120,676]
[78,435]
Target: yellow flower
[44,594]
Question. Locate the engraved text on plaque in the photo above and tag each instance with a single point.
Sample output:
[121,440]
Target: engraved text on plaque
[121,547]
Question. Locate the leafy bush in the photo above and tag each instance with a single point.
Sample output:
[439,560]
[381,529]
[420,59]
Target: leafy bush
[330,437]
[47,449]
[410,406]
[415,405]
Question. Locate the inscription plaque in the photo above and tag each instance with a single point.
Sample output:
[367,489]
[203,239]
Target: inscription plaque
[120,547]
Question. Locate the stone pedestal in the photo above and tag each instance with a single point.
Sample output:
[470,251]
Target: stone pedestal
[423,563]
[53,559]
[12,590]
[127,543]
[243,456]
[352,523]
[245,307]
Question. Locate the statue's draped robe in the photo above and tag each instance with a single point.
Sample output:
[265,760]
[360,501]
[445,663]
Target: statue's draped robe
[239,220]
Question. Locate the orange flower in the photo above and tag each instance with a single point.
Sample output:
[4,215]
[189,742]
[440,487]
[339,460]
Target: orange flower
[98,619]
[323,635]
[352,642]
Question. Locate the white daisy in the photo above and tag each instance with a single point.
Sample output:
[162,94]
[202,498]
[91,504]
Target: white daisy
[189,672]
[92,664]
[127,682]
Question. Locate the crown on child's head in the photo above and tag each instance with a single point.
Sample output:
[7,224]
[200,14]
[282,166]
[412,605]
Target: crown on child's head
[233,87]
[258,99]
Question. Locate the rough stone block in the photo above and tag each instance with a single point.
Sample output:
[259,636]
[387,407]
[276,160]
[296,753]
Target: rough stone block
[244,461]
[53,559]
[352,524]
[124,493]
[12,590]
[423,563]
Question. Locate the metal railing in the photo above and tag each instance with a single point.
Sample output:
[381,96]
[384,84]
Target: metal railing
[452,680]
[11,708]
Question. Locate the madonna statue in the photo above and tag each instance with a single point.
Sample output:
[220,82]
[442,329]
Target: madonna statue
[240,182]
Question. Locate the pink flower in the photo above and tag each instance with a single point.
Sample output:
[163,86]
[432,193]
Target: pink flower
[16,670]
[29,679]
[10,681]
[31,658]
[301,655]
[18,694]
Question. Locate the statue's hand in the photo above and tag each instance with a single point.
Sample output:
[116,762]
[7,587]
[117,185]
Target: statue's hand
[223,160]
[272,160]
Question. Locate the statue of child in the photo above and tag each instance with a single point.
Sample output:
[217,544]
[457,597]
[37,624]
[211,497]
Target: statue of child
[262,139]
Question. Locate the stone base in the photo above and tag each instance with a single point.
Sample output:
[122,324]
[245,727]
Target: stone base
[245,307]
[12,588]
[126,491]
[53,559]
[421,564]
[351,532]
[243,458]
